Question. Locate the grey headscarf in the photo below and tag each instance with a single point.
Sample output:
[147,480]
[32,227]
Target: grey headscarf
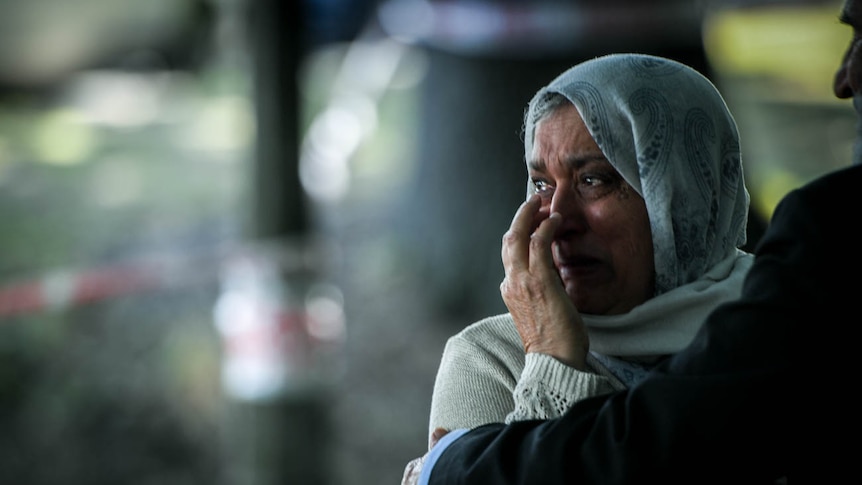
[667,131]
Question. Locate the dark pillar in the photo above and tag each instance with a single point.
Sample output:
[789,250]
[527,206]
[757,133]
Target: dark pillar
[282,438]
[278,203]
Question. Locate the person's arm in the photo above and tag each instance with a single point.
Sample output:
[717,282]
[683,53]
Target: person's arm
[738,405]
[475,378]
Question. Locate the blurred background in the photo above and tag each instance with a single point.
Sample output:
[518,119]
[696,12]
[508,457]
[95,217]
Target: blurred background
[235,234]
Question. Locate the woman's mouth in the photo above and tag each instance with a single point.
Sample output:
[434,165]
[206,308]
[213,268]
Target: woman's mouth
[579,268]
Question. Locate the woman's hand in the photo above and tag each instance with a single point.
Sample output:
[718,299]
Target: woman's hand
[414,468]
[545,316]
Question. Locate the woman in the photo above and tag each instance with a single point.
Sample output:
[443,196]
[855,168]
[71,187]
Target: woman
[636,198]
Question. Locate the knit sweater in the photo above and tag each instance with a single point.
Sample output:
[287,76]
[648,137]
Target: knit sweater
[485,377]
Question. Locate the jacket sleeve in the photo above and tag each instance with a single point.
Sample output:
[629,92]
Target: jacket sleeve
[739,405]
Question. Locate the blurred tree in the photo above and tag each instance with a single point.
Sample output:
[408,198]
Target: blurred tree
[43,42]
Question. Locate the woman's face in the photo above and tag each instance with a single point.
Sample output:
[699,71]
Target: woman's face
[603,248]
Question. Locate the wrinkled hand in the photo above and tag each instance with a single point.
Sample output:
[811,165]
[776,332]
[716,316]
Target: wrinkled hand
[414,468]
[545,316]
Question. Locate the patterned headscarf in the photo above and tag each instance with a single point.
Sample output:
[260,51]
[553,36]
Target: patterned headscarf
[667,131]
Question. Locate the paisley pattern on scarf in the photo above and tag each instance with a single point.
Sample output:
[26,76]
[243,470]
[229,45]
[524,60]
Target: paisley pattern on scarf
[657,137]
[589,95]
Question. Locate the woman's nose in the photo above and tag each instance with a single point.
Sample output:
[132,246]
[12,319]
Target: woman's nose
[567,202]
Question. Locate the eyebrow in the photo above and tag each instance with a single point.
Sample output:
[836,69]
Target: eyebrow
[539,165]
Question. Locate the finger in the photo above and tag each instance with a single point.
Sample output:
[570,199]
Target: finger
[436,435]
[515,248]
[412,471]
[541,257]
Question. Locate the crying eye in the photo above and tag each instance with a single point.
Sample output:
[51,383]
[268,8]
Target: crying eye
[543,188]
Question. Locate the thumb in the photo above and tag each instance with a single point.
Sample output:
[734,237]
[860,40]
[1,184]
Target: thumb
[436,435]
